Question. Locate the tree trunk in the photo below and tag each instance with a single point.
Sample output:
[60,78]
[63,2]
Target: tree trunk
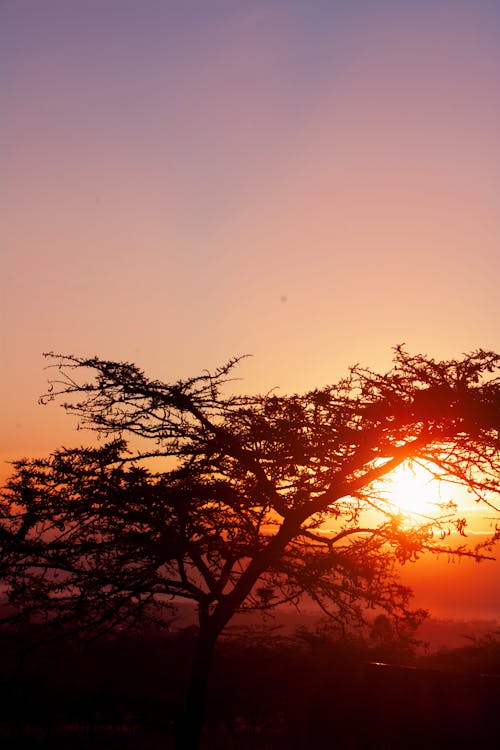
[188,727]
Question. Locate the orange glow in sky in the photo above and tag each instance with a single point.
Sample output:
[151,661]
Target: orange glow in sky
[310,183]
[414,490]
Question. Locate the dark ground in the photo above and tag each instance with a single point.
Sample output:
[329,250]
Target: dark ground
[268,692]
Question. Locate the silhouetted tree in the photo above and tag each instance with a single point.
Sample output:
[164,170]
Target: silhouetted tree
[240,503]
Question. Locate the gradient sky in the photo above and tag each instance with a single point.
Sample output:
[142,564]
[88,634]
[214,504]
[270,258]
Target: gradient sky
[308,181]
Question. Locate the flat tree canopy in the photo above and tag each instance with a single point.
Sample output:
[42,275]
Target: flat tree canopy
[240,502]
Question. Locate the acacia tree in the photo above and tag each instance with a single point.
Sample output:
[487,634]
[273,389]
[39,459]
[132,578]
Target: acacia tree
[240,503]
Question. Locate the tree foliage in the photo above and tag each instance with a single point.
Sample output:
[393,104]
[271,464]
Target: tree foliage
[240,502]
[227,497]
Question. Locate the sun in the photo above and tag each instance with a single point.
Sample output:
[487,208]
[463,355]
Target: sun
[413,490]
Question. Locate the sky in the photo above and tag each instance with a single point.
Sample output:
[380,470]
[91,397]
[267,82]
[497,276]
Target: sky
[308,181]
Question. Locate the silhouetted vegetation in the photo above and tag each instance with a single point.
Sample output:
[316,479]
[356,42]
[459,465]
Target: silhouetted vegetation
[241,503]
[314,688]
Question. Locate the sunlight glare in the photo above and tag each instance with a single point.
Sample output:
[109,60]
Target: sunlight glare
[414,490]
